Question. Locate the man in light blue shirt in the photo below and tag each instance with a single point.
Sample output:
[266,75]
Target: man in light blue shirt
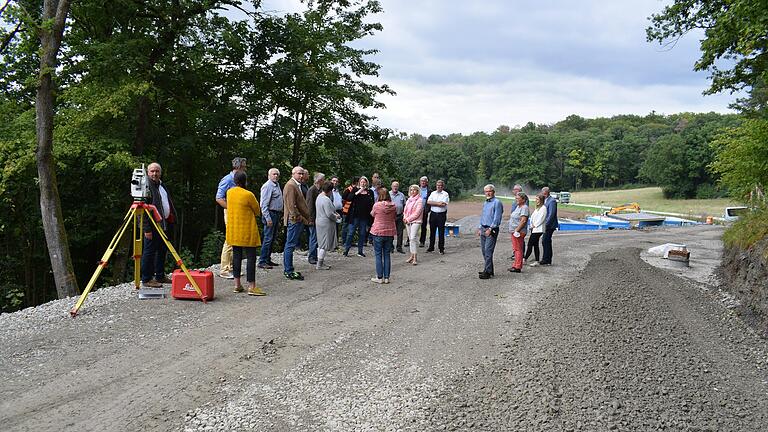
[271,202]
[488,229]
[226,183]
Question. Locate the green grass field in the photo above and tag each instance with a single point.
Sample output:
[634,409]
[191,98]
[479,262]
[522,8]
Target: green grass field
[651,198]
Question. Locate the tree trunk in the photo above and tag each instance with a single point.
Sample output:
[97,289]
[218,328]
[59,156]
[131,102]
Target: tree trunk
[50,204]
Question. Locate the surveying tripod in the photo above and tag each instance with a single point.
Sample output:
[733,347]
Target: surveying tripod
[135,217]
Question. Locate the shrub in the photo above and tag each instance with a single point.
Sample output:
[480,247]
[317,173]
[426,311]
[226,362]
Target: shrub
[210,253]
[750,229]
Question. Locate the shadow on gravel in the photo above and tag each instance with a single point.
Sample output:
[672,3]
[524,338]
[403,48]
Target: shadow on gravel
[625,346]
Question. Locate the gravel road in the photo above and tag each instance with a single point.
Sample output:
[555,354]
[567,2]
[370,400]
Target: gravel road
[605,339]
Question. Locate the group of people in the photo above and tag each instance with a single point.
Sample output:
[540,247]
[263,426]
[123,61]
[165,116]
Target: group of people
[331,218]
[541,223]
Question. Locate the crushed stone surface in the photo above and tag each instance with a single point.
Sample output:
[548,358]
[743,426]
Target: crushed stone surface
[601,340]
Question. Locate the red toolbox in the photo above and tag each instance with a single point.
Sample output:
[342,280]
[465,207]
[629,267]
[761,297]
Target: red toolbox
[182,289]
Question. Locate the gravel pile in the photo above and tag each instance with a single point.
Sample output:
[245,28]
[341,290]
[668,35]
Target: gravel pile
[22,324]
[624,347]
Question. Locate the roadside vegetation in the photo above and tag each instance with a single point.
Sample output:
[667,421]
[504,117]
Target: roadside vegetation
[748,230]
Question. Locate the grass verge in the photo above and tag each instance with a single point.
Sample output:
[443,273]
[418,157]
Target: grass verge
[750,229]
[652,198]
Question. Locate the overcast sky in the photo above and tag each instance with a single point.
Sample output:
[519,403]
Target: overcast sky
[466,66]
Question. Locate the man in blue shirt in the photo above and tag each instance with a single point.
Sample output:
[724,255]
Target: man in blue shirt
[271,202]
[488,230]
[227,182]
[550,226]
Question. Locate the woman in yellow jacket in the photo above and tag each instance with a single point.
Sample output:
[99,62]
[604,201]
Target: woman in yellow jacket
[243,232]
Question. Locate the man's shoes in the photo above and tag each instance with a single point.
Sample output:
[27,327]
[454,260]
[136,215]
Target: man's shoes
[226,275]
[239,289]
[273,264]
[152,284]
[400,251]
[484,275]
[386,280]
[430,250]
[265,266]
[545,264]
[484,272]
[377,280]
[293,275]
[533,264]
[256,291]
[421,244]
[514,270]
[165,280]
[312,262]
[442,252]
[360,254]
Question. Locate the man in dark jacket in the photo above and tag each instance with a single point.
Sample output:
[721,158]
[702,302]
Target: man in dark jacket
[425,191]
[154,251]
[550,226]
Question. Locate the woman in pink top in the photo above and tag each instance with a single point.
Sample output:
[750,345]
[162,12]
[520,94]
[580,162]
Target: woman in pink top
[383,231]
[412,218]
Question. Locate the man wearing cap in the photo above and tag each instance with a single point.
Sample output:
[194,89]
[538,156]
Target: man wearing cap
[550,225]
[271,201]
[239,164]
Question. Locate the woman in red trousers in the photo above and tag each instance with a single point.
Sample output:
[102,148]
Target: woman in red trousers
[518,228]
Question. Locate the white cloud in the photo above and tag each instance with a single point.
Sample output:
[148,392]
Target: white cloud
[467,108]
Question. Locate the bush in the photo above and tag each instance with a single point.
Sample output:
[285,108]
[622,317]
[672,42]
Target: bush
[11,297]
[750,229]
[709,191]
[210,253]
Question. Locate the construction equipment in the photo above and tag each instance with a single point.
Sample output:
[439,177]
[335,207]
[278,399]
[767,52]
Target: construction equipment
[135,217]
[630,206]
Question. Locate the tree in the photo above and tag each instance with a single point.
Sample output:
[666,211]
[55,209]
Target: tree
[734,30]
[50,32]
[742,158]
[318,88]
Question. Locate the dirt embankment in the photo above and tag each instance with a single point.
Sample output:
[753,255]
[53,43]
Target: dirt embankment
[744,273]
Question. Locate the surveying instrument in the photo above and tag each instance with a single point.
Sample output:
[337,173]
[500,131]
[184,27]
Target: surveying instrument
[135,217]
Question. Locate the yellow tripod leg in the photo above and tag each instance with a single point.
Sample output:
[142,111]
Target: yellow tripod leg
[104,259]
[179,262]
[138,245]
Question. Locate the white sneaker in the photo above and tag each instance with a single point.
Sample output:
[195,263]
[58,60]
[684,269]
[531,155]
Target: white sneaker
[226,275]
[377,280]
[386,280]
[533,264]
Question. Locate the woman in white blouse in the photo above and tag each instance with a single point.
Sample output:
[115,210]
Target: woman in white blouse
[538,218]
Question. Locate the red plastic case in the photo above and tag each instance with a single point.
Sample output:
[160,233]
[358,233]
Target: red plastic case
[182,289]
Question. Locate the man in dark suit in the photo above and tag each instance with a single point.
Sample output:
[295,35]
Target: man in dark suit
[550,226]
[155,250]
[425,191]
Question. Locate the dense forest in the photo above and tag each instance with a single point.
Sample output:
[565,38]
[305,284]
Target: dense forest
[189,86]
[672,151]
